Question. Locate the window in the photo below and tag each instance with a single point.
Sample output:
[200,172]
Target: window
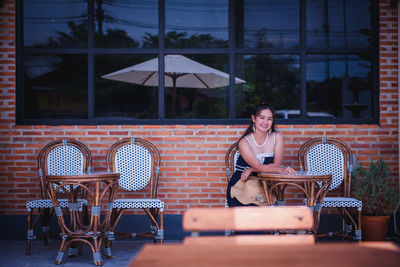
[98,62]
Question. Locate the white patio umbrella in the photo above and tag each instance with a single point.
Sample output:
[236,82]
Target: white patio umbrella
[179,71]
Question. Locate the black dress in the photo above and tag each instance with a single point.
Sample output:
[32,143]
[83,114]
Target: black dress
[241,165]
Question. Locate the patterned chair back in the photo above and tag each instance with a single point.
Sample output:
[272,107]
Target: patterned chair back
[137,161]
[63,157]
[65,160]
[330,156]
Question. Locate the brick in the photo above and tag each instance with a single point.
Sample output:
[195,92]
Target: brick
[196,139]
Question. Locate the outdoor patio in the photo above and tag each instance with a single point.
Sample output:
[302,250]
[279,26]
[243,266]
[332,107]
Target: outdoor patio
[13,254]
[103,73]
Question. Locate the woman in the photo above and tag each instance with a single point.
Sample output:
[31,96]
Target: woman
[261,150]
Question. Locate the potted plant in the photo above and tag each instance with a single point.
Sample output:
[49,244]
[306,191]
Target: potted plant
[379,195]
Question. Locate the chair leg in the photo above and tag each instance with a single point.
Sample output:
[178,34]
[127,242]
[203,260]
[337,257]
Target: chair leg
[46,217]
[107,245]
[107,249]
[358,233]
[31,229]
[160,232]
[30,233]
[98,261]
[157,230]
[351,225]
[352,221]
[60,253]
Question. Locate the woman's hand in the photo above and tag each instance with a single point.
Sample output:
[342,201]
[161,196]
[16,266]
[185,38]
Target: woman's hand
[245,174]
[287,170]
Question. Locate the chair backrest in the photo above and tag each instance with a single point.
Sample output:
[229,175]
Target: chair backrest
[294,218]
[231,157]
[331,156]
[63,157]
[138,162]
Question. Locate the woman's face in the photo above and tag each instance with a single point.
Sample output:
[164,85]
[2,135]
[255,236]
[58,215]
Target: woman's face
[263,121]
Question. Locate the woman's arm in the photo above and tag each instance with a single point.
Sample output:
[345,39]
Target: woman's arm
[278,150]
[275,167]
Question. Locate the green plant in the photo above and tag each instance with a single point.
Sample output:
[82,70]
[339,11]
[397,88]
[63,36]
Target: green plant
[375,189]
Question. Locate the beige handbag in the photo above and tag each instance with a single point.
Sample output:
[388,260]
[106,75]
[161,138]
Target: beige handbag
[250,191]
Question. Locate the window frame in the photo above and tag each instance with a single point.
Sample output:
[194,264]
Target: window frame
[232,51]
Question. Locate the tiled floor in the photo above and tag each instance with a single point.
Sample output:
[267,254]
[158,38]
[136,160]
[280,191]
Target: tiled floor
[12,253]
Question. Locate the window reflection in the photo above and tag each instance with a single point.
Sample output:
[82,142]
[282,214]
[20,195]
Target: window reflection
[268,23]
[196,24]
[55,86]
[206,99]
[61,61]
[274,79]
[59,23]
[338,23]
[121,99]
[126,24]
[340,85]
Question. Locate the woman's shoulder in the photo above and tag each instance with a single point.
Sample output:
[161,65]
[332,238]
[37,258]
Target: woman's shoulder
[244,142]
[278,137]
[245,138]
[277,134]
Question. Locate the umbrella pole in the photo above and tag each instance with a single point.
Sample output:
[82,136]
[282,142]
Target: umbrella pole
[174,95]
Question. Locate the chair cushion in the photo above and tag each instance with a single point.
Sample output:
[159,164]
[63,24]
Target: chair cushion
[342,202]
[138,203]
[46,203]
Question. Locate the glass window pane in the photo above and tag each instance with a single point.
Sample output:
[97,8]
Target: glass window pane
[268,23]
[273,79]
[196,24]
[201,92]
[339,85]
[338,23]
[57,23]
[126,24]
[55,86]
[120,98]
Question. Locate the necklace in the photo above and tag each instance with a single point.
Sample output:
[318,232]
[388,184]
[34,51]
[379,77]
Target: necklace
[260,146]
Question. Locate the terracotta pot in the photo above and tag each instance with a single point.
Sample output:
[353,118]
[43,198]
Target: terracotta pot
[374,228]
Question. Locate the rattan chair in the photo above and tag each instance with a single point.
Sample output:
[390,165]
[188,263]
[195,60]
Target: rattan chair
[138,162]
[335,157]
[231,156]
[61,157]
[297,219]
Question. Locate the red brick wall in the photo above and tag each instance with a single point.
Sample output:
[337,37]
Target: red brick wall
[192,171]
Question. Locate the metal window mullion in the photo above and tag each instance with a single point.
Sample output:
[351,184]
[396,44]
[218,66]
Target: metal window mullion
[161,54]
[303,59]
[91,61]
[197,51]
[19,63]
[375,61]
[232,59]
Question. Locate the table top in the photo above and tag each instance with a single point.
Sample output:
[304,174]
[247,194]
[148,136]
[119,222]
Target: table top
[300,176]
[326,254]
[85,177]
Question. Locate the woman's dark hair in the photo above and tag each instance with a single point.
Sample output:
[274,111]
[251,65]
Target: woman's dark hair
[255,113]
